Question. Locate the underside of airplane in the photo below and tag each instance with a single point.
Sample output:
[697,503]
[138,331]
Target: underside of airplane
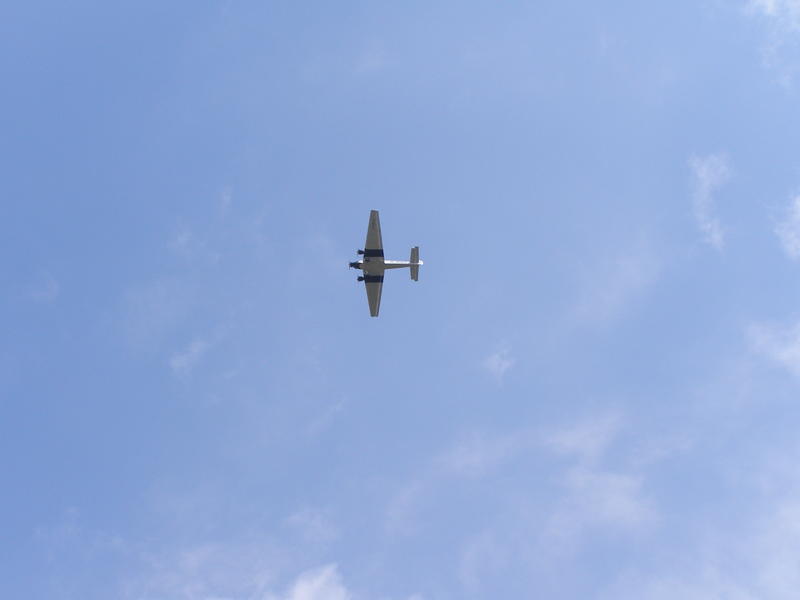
[373,264]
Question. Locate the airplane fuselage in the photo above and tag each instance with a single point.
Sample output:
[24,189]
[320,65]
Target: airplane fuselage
[376,266]
[373,265]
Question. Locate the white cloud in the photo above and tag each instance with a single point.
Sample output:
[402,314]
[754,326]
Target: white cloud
[752,556]
[591,496]
[779,344]
[235,570]
[788,230]
[595,496]
[596,501]
[249,565]
[781,50]
[710,584]
[777,549]
[145,570]
[709,172]
[785,12]
[202,571]
[499,362]
[318,584]
[182,363]
[591,493]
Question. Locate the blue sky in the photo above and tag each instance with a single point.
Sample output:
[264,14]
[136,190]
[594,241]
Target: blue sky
[591,392]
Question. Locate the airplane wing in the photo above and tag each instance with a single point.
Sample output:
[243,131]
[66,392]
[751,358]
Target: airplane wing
[373,249]
[374,285]
[374,245]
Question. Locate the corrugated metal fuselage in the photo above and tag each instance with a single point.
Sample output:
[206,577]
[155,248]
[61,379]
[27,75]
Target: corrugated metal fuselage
[376,266]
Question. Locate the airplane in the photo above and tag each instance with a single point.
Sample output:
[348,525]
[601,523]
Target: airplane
[373,264]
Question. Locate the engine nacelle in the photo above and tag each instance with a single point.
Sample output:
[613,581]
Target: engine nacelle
[360,252]
[360,279]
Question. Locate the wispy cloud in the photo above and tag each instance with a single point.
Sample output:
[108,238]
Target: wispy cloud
[481,555]
[499,362]
[181,241]
[785,12]
[781,344]
[45,290]
[69,541]
[479,453]
[188,245]
[323,583]
[788,230]
[474,456]
[587,496]
[751,557]
[205,570]
[781,50]
[325,417]
[225,201]
[709,173]
[405,503]
[610,284]
[593,494]
[313,525]
[775,548]
[598,498]
[183,362]
[153,311]
[234,569]
[586,440]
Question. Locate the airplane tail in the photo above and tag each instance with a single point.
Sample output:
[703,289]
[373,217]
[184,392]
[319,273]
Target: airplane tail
[415,263]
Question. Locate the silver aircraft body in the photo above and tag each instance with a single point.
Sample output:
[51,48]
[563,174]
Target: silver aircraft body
[374,264]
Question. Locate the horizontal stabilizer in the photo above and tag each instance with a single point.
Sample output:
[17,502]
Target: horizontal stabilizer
[415,263]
